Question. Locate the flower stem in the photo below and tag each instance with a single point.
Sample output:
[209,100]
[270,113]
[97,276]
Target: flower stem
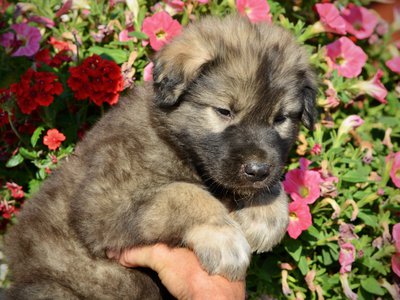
[15,130]
[77,47]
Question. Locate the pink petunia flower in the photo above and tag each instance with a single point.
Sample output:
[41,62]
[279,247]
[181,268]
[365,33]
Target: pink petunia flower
[148,72]
[332,100]
[316,149]
[360,22]
[64,9]
[286,290]
[49,23]
[299,218]
[396,236]
[330,18]
[174,6]
[394,64]
[328,186]
[345,57]
[123,36]
[346,287]
[303,185]
[396,263]
[373,87]
[255,10]
[382,27]
[350,123]
[304,163]
[160,28]
[346,257]
[394,158]
[346,233]
[24,41]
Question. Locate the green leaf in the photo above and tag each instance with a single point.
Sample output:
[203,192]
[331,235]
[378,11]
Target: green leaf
[42,174]
[389,121]
[354,176]
[368,219]
[303,266]
[138,34]
[34,185]
[11,68]
[35,136]
[326,257]
[294,248]
[14,161]
[334,251]
[372,286]
[118,55]
[314,232]
[27,154]
[376,265]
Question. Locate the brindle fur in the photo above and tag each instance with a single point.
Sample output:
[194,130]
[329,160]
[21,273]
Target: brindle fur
[165,166]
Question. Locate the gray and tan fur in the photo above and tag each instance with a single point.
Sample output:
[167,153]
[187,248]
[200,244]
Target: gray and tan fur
[192,160]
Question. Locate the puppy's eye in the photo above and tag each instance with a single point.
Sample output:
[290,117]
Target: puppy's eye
[226,113]
[279,120]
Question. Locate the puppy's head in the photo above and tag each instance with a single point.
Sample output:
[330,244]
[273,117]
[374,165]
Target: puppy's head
[232,95]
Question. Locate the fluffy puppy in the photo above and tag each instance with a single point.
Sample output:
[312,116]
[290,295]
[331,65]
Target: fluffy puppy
[192,160]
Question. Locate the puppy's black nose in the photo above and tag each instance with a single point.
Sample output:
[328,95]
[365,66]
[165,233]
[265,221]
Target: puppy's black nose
[256,171]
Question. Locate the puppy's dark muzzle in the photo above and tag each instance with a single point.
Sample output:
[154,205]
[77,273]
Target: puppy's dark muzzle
[256,171]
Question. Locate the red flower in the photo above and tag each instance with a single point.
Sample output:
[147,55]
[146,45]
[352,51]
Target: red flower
[7,211]
[3,118]
[160,28]
[16,190]
[53,139]
[43,56]
[59,45]
[60,57]
[36,89]
[98,79]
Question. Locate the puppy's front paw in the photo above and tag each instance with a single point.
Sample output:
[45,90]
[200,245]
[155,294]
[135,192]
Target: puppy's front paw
[221,249]
[265,223]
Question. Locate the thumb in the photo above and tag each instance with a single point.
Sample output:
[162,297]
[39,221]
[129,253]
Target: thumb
[143,257]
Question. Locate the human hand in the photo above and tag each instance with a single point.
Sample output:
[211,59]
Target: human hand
[181,273]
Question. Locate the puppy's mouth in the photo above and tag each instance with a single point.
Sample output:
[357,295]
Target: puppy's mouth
[248,182]
[246,187]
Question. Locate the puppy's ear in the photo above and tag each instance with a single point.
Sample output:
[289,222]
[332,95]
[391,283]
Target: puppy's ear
[309,111]
[168,84]
[175,67]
